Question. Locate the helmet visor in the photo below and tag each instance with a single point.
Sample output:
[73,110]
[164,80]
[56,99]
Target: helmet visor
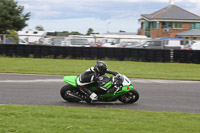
[102,70]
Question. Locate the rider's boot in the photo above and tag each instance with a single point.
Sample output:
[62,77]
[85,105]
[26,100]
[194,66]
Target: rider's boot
[93,96]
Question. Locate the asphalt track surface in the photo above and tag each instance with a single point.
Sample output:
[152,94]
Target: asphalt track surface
[155,95]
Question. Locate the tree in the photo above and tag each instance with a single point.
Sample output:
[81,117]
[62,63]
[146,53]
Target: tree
[74,33]
[90,31]
[39,28]
[13,37]
[67,33]
[11,16]
[122,31]
[64,33]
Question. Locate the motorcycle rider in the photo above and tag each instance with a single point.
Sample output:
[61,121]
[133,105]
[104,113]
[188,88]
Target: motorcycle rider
[92,75]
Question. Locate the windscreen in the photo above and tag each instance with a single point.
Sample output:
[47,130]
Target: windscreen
[126,81]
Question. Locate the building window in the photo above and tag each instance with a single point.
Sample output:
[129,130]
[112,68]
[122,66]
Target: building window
[146,25]
[177,25]
[147,29]
[172,25]
[142,25]
[195,25]
[167,25]
[154,25]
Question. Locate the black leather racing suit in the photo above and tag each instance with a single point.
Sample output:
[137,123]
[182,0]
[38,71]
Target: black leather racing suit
[89,77]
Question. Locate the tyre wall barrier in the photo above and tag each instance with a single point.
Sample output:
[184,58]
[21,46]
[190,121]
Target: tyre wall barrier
[131,54]
[187,56]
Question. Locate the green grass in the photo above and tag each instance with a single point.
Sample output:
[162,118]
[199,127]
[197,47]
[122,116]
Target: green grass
[132,69]
[50,119]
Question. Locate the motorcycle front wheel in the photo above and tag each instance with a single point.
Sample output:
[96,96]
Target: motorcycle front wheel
[67,93]
[129,97]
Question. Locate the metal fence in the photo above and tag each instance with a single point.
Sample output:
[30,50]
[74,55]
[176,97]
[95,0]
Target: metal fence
[9,39]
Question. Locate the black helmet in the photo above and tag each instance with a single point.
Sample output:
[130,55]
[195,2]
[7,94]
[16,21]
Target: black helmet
[100,67]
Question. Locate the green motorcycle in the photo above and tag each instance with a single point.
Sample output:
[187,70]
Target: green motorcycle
[121,86]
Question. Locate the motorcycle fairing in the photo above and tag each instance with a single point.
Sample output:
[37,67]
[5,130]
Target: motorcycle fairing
[72,80]
[108,85]
[111,96]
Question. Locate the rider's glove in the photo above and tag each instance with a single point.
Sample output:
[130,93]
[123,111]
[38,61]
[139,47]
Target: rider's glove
[115,73]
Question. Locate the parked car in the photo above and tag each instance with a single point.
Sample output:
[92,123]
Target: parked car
[110,42]
[96,44]
[23,42]
[186,47]
[160,44]
[194,46]
[129,44]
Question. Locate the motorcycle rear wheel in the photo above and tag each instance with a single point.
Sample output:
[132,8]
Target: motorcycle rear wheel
[130,97]
[65,90]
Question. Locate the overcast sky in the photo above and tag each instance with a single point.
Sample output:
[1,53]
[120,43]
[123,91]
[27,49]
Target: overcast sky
[101,15]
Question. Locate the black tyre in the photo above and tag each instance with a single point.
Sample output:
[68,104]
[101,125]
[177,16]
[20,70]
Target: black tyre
[64,92]
[130,97]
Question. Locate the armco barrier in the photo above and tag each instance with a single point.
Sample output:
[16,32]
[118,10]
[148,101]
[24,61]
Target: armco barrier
[132,54]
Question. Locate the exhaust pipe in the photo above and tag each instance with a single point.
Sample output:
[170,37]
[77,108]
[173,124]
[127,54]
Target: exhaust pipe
[68,94]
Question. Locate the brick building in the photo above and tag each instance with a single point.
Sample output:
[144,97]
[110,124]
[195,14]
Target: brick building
[170,22]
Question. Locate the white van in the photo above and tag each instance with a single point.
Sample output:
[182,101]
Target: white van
[76,42]
[32,37]
[176,42]
[57,41]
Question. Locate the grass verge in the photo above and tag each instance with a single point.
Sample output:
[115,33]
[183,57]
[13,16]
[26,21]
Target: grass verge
[132,69]
[50,119]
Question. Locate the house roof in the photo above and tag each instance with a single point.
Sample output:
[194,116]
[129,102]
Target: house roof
[172,12]
[193,32]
